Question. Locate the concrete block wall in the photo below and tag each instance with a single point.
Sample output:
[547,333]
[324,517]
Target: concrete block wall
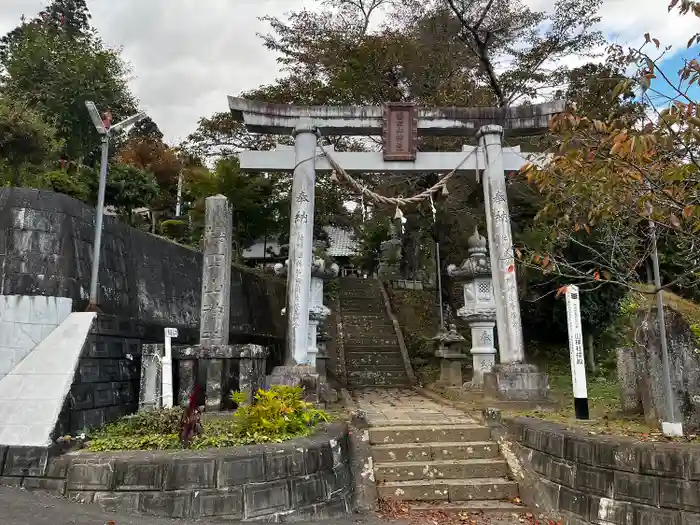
[106,382]
[300,480]
[604,479]
[25,321]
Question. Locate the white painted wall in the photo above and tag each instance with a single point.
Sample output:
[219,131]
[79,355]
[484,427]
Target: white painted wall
[32,395]
[25,321]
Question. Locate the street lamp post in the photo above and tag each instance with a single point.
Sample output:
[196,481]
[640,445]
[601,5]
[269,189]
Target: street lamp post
[105,128]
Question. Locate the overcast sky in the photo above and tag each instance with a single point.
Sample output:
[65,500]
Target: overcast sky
[187,55]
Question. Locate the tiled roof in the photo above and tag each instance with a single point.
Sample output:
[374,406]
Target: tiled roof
[342,244]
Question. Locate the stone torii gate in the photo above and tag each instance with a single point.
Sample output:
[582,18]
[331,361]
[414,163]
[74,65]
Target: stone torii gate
[400,125]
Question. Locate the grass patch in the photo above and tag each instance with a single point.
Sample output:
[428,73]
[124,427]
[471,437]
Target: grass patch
[604,406]
[279,414]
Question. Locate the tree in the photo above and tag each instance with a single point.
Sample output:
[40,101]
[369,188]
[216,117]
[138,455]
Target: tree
[590,87]
[152,154]
[70,17]
[370,236]
[146,129]
[25,138]
[627,180]
[55,72]
[533,43]
[129,188]
[220,136]
[255,200]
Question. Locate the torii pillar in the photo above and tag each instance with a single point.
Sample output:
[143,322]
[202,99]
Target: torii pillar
[400,125]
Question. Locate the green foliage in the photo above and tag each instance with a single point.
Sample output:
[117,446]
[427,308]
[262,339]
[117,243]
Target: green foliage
[68,183]
[174,229]
[370,236]
[56,70]
[129,188]
[331,289]
[254,198]
[277,415]
[25,137]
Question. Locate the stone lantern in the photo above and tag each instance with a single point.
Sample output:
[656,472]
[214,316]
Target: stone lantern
[449,350]
[318,312]
[479,310]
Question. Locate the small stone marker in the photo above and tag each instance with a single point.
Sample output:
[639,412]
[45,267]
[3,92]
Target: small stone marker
[167,373]
[578,365]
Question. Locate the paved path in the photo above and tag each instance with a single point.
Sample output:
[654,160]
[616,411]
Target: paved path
[385,407]
[22,507]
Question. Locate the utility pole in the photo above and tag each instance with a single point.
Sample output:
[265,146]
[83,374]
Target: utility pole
[103,125]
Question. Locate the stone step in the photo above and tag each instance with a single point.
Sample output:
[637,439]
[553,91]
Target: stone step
[379,341]
[383,358]
[376,374]
[363,315]
[434,451]
[366,307]
[428,434]
[365,379]
[387,348]
[365,320]
[355,337]
[454,490]
[471,507]
[383,369]
[450,469]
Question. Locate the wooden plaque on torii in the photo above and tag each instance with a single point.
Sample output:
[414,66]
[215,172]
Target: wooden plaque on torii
[400,131]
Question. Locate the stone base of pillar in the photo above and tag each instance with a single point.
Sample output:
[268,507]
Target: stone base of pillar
[252,370]
[316,389]
[213,389]
[516,382]
[450,368]
[187,375]
[483,363]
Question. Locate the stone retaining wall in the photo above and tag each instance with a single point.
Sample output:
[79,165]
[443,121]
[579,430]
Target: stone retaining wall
[604,479]
[46,249]
[303,479]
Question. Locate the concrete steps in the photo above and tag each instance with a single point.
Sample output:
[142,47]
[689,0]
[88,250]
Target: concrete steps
[364,378]
[431,466]
[428,434]
[384,454]
[458,491]
[469,507]
[440,469]
[372,355]
[357,360]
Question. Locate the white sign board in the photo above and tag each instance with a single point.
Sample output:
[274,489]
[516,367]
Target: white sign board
[167,371]
[578,365]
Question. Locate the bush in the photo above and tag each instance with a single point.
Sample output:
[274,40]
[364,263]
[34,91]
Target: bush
[278,415]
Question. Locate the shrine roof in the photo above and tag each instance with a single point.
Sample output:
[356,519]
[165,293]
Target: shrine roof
[342,243]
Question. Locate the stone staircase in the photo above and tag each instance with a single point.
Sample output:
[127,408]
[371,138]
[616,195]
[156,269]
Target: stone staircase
[372,354]
[434,457]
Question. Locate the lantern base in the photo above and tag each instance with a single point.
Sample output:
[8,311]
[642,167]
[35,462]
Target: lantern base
[516,382]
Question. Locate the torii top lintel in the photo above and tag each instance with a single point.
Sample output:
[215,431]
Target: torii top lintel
[280,119]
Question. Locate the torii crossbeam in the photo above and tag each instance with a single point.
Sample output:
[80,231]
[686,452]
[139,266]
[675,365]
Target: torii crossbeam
[400,125]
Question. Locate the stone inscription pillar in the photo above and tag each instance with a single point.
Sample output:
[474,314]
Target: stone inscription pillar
[509,323]
[216,287]
[301,243]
